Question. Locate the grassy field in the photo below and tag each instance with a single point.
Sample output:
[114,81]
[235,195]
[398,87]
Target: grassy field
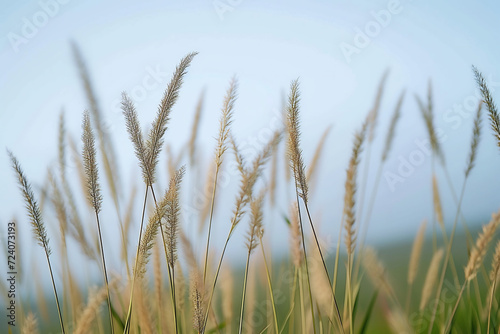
[442,283]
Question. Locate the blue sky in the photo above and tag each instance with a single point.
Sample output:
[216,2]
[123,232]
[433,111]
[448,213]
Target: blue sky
[266,44]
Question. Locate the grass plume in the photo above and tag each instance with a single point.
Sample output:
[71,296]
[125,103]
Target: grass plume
[37,223]
[490,104]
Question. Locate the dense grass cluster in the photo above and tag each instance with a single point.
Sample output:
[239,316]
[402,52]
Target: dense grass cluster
[309,292]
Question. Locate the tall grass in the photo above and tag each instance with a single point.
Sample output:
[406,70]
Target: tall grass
[305,292]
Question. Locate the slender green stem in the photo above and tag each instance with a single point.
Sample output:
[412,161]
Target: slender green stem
[216,277]
[174,300]
[491,302]
[270,287]
[302,303]
[55,292]
[455,308]
[210,225]
[448,252]
[349,291]
[335,269]
[105,272]
[245,280]
[339,318]
[306,261]
[170,270]
[126,329]
[292,303]
[366,222]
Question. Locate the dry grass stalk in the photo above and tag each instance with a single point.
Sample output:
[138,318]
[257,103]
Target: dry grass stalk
[30,325]
[438,209]
[94,193]
[317,155]
[250,301]
[490,104]
[158,280]
[34,213]
[227,296]
[295,238]
[194,129]
[59,207]
[320,284]
[208,191]
[255,228]
[295,159]
[77,160]
[180,284]
[398,322]
[431,278]
[155,139]
[373,115]
[377,272]
[172,211]
[253,236]
[105,144]
[148,240]
[90,164]
[476,136]
[392,127]
[428,116]
[225,122]
[273,177]
[416,252]
[61,145]
[197,298]
[495,264]
[135,134]
[187,249]
[476,259]
[248,180]
[143,308]
[88,314]
[479,251]
[350,190]
[495,269]
[249,177]
[37,223]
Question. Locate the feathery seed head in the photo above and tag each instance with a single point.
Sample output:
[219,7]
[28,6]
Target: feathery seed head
[350,189]
[476,136]
[392,127]
[479,252]
[415,253]
[490,104]
[159,125]
[295,159]
[172,211]
[135,134]
[90,164]
[31,204]
[431,278]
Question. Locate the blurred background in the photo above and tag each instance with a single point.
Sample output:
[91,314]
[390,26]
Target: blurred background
[338,49]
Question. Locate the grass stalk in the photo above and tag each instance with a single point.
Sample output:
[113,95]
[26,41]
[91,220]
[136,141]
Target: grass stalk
[270,287]
[245,279]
